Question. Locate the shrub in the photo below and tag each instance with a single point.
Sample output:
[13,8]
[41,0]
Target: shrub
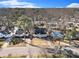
[16,41]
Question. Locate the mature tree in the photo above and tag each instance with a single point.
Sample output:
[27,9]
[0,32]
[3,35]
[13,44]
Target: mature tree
[24,22]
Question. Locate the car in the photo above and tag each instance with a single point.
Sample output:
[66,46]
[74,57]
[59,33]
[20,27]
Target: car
[23,35]
[5,35]
[57,35]
[40,33]
[1,35]
[19,35]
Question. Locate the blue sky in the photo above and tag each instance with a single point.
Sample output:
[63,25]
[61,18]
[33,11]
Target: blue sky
[39,3]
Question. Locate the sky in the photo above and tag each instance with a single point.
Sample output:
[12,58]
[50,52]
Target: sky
[39,3]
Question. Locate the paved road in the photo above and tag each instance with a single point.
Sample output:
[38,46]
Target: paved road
[28,50]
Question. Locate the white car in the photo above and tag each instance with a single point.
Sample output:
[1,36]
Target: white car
[1,35]
[5,35]
[21,35]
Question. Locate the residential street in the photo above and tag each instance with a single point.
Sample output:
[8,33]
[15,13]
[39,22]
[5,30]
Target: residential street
[28,50]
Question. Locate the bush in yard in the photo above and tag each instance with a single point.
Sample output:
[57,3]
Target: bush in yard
[16,41]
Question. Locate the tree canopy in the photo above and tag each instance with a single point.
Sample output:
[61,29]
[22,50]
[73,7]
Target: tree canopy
[24,22]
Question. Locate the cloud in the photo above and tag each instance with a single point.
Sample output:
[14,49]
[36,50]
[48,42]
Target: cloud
[73,5]
[17,4]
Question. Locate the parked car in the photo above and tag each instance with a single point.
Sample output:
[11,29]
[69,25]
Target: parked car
[1,35]
[57,35]
[23,35]
[40,33]
[5,34]
[20,34]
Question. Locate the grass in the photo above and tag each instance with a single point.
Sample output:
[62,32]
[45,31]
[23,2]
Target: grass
[16,41]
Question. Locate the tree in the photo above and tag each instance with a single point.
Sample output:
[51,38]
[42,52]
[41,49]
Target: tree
[7,23]
[24,22]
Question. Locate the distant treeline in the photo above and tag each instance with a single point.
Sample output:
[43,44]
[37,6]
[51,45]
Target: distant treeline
[51,12]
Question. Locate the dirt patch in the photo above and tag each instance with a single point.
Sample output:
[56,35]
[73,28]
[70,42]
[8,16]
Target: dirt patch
[43,43]
[40,42]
